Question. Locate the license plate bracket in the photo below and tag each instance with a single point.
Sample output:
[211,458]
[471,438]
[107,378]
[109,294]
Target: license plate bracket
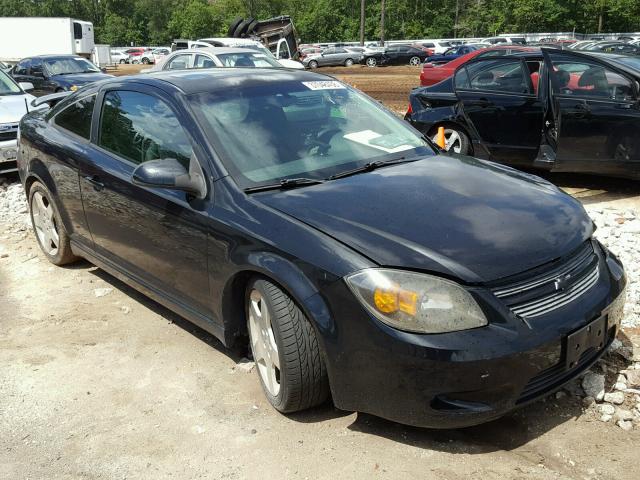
[591,336]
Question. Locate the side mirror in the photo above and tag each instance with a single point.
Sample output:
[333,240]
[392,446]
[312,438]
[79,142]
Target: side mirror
[26,86]
[170,173]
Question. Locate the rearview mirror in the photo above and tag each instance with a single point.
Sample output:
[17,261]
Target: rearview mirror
[170,173]
[26,86]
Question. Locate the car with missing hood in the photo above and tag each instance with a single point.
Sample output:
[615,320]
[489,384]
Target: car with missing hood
[291,215]
[57,73]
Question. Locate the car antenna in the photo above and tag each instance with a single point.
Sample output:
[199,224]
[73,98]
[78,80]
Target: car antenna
[26,104]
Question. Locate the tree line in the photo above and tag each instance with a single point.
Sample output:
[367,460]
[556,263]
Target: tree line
[157,22]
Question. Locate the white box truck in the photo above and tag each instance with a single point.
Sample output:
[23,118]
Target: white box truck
[22,37]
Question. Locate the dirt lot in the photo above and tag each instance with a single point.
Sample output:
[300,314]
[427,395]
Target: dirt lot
[96,381]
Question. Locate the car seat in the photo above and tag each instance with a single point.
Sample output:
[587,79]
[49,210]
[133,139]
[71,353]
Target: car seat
[595,80]
[244,62]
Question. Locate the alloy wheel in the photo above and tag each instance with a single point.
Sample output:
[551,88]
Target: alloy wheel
[348,62]
[44,223]
[313,64]
[452,140]
[414,61]
[263,343]
[371,62]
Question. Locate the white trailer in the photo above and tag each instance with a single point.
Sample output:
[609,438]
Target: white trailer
[22,37]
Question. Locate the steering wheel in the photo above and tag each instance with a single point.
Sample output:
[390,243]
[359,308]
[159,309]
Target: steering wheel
[323,140]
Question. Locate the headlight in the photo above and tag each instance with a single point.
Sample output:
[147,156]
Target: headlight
[416,302]
[73,88]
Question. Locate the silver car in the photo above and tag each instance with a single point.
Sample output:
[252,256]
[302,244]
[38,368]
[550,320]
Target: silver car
[333,56]
[14,103]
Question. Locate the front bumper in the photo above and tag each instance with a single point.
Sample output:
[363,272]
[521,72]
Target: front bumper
[463,378]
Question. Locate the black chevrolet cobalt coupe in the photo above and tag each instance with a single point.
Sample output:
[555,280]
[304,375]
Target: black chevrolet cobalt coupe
[287,210]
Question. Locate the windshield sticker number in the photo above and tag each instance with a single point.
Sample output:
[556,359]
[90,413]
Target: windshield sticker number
[326,85]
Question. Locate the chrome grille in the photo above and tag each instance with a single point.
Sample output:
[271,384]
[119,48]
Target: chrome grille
[555,288]
[8,132]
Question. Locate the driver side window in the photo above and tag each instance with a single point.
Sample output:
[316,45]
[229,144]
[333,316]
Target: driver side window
[179,62]
[140,127]
[502,76]
[586,79]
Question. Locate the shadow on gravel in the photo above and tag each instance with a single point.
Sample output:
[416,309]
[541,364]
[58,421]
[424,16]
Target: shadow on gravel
[164,312]
[592,188]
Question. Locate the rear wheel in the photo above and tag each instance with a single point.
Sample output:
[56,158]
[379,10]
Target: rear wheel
[371,62]
[313,64]
[414,61]
[455,141]
[122,60]
[145,60]
[348,62]
[285,349]
[47,225]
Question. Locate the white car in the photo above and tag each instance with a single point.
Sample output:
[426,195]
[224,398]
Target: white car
[214,57]
[118,56]
[283,56]
[14,103]
[159,54]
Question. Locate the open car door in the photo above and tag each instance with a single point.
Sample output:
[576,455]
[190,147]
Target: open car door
[500,101]
[592,122]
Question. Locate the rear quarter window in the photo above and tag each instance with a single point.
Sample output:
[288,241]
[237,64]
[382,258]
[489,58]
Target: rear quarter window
[76,118]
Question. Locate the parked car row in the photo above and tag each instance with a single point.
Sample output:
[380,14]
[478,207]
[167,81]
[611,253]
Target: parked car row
[348,56]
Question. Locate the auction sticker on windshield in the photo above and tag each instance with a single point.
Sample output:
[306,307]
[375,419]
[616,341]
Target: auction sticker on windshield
[324,85]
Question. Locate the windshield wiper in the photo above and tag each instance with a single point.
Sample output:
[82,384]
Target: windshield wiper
[284,184]
[369,167]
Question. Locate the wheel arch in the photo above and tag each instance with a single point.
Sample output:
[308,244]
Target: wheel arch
[288,277]
[38,172]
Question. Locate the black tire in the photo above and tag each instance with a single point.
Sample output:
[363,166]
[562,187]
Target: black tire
[64,254]
[463,142]
[233,25]
[122,60]
[241,29]
[348,62]
[145,61]
[303,375]
[58,90]
[313,64]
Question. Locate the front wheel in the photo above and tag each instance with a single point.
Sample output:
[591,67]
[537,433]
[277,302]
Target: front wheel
[285,349]
[122,60]
[348,62]
[455,141]
[145,61]
[371,62]
[313,64]
[414,61]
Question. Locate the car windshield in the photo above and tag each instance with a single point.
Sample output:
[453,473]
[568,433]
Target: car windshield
[258,60]
[295,129]
[8,86]
[69,65]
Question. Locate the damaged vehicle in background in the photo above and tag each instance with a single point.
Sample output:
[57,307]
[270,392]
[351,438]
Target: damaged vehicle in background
[557,110]
[284,211]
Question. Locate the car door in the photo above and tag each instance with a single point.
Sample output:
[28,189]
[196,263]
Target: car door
[181,61]
[153,235]
[326,57]
[500,104]
[596,116]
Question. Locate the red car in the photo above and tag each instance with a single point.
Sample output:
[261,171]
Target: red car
[432,74]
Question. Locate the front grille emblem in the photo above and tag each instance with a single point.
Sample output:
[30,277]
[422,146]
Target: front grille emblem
[561,283]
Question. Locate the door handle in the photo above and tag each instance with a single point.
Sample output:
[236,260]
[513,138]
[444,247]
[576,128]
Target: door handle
[581,109]
[95,182]
[483,102]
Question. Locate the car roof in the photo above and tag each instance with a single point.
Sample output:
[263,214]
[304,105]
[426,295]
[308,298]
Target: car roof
[218,50]
[44,57]
[216,79]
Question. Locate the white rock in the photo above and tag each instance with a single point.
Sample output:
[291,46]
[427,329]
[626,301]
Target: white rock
[614,397]
[560,395]
[607,409]
[625,425]
[245,365]
[623,414]
[102,292]
[620,386]
[124,309]
[606,418]
[593,385]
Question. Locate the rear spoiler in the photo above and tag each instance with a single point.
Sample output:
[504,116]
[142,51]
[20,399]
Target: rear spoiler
[50,100]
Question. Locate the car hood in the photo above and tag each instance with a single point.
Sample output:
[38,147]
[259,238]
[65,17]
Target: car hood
[462,217]
[79,78]
[13,107]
